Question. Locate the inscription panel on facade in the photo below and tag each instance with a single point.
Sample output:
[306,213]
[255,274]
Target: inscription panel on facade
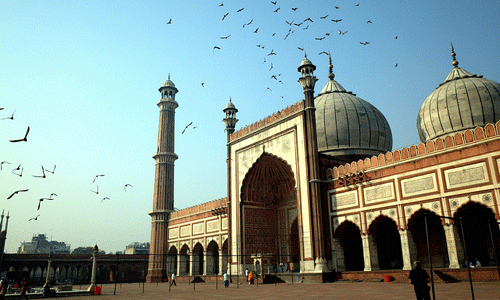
[198,228]
[344,200]
[379,193]
[186,230]
[173,233]
[419,185]
[224,223]
[466,175]
[212,225]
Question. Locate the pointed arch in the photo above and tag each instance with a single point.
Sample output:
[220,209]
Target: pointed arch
[385,232]
[348,236]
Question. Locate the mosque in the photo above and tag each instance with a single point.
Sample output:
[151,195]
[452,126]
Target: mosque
[316,188]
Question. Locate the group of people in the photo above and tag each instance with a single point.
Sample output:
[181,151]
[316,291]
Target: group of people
[4,285]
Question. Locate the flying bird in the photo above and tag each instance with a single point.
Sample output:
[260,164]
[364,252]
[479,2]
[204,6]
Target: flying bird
[368,22]
[41,200]
[274,76]
[289,23]
[256,30]
[169,21]
[36,218]
[16,192]
[306,27]
[51,195]
[215,47]
[225,16]
[105,198]
[324,17]
[225,37]
[298,23]
[277,9]
[269,89]
[319,39]
[221,4]
[96,192]
[186,127]
[23,139]
[272,52]
[336,20]
[357,4]
[308,19]
[11,117]
[396,65]
[301,49]
[271,67]
[52,170]
[336,7]
[96,177]
[3,162]
[287,35]
[324,52]
[294,8]
[40,176]
[125,187]
[203,84]
[264,60]
[273,2]
[365,43]
[249,22]
[342,32]
[18,169]
[396,37]
[240,9]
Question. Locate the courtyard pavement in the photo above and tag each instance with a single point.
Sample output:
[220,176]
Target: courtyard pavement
[336,290]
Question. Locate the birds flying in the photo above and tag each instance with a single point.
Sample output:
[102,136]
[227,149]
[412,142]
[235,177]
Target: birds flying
[3,162]
[169,21]
[36,218]
[186,127]
[96,192]
[105,198]
[96,177]
[125,187]
[11,117]
[215,47]
[40,176]
[16,192]
[52,170]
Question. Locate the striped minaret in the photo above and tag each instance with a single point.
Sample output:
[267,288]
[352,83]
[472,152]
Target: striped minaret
[163,199]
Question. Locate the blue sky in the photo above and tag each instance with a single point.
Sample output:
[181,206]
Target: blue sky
[84,75]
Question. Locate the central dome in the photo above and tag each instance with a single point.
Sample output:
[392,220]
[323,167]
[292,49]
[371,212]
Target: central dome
[349,126]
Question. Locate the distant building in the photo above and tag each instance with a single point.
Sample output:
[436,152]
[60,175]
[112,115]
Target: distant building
[137,248]
[40,245]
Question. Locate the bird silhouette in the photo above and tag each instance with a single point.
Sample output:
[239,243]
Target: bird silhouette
[319,39]
[269,89]
[203,84]
[272,52]
[125,187]
[298,24]
[52,170]
[221,4]
[336,7]
[306,27]
[357,4]
[225,16]
[35,218]
[96,192]
[287,35]
[41,200]
[274,34]
[324,17]
[186,127]
[289,23]
[169,21]
[96,177]
[336,20]
[11,117]
[16,192]
[324,52]
[225,37]
[273,2]
[51,195]
[342,32]
[396,37]
[277,9]
[396,65]
[215,47]
[3,162]
[25,139]
[365,43]
[40,176]
[239,10]
[271,67]
[18,169]
[274,76]
[308,19]
[256,30]
[294,8]
[105,198]
[368,22]
[301,49]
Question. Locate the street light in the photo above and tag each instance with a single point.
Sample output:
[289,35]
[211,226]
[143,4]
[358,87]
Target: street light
[47,278]
[93,280]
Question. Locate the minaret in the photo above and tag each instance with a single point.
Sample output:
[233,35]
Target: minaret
[308,81]
[163,198]
[230,122]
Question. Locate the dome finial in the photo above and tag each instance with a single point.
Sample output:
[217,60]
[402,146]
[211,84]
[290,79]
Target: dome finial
[168,76]
[330,67]
[455,62]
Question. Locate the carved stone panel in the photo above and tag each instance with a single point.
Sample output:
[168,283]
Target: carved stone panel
[419,185]
[466,175]
[224,224]
[344,200]
[382,192]
[198,228]
[173,233]
[212,225]
[186,230]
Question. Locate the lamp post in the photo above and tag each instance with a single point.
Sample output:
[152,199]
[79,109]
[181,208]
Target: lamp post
[47,278]
[94,270]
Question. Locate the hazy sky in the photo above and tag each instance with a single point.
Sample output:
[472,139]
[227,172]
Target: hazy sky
[84,75]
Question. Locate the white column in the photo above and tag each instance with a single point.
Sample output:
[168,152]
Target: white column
[338,260]
[205,263]
[370,253]
[408,249]
[221,263]
[179,264]
[453,243]
[191,264]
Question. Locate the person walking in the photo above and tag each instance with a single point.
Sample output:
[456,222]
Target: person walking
[24,288]
[246,275]
[172,280]
[226,280]
[250,277]
[419,278]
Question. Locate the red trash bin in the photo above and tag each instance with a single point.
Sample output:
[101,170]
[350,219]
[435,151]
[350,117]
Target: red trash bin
[98,290]
[387,278]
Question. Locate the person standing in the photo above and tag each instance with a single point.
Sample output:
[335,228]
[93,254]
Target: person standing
[172,280]
[24,288]
[419,278]
[246,275]
[226,280]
